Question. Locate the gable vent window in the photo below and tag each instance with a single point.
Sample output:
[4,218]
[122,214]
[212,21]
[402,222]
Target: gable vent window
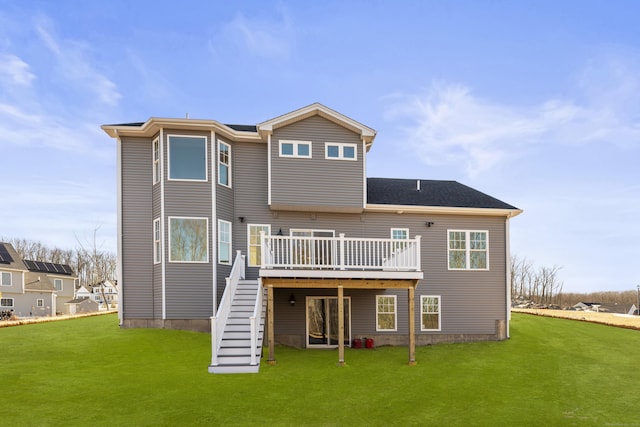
[301,149]
[340,151]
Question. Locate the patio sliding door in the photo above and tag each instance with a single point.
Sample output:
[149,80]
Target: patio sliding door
[322,321]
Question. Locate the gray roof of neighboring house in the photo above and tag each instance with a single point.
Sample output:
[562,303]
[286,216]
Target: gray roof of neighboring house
[36,282]
[392,191]
[77,300]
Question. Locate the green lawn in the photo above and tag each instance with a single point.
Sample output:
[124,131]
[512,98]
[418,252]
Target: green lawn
[89,372]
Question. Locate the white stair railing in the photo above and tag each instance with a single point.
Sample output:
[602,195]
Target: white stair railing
[219,320]
[254,321]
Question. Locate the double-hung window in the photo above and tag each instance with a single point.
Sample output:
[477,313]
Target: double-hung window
[156,161]
[5,278]
[57,283]
[187,158]
[40,302]
[188,239]
[224,163]
[430,313]
[255,250]
[290,148]
[340,151]
[468,250]
[157,248]
[386,319]
[224,242]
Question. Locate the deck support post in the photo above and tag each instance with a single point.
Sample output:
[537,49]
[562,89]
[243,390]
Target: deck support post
[412,327]
[340,326]
[272,359]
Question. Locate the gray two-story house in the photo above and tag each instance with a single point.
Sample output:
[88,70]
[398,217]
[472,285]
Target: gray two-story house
[236,229]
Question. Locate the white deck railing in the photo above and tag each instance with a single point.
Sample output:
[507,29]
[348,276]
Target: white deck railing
[220,318]
[340,253]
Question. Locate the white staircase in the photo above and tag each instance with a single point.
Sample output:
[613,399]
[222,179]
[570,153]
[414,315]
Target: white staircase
[233,354]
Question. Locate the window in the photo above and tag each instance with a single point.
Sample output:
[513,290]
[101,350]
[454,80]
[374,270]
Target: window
[157,248]
[386,313]
[224,242]
[5,279]
[399,234]
[468,250]
[295,148]
[188,158]
[254,250]
[39,302]
[156,161]
[430,313]
[57,283]
[335,150]
[188,239]
[6,302]
[224,164]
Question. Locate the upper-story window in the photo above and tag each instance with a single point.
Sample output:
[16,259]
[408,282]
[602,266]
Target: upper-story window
[468,250]
[224,163]
[290,148]
[57,283]
[187,158]
[188,239]
[156,161]
[5,279]
[340,151]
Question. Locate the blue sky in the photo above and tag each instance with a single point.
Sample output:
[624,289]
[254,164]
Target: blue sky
[533,102]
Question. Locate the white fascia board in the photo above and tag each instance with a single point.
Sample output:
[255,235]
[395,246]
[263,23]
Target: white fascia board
[509,213]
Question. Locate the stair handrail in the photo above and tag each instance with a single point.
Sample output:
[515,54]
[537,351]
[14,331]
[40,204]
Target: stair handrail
[254,321]
[219,321]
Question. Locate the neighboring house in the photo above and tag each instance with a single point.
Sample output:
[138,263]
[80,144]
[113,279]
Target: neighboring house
[407,261]
[105,291]
[82,305]
[33,288]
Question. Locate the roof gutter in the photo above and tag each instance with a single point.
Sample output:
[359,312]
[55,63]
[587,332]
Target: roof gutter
[449,210]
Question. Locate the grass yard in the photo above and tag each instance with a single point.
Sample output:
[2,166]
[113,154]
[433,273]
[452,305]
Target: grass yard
[89,372]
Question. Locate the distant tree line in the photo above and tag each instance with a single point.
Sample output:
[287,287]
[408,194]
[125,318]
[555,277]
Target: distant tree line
[90,263]
[542,285]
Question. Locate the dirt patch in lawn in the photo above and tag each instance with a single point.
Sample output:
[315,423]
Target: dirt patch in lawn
[619,320]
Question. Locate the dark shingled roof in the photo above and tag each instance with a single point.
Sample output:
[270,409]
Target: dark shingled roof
[391,191]
[135,124]
[243,128]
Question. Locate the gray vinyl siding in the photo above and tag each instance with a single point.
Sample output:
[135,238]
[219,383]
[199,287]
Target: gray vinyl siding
[225,197]
[137,240]
[157,213]
[317,183]
[188,286]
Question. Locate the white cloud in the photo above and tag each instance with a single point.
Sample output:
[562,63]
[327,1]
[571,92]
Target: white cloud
[15,70]
[448,125]
[271,39]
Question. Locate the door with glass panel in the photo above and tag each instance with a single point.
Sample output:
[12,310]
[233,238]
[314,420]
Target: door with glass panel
[322,321]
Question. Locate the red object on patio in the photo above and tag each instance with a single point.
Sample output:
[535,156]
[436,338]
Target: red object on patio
[369,343]
[357,343]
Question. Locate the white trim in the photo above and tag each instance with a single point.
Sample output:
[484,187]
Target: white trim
[509,213]
[395,313]
[206,158]
[214,231]
[296,150]
[118,225]
[221,142]
[269,154]
[230,242]
[508,271]
[206,219]
[467,249]
[267,232]
[157,241]
[439,298]
[341,146]
[163,224]
[364,174]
